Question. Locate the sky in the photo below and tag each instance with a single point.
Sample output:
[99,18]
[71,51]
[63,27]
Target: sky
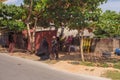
[16,2]
[113,5]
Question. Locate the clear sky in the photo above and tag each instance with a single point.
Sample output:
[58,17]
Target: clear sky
[17,2]
[113,5]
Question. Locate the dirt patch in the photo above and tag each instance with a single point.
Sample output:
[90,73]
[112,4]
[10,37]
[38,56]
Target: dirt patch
[27,56]
[80,69]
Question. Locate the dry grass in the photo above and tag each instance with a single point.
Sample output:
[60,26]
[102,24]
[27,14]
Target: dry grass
[114,75]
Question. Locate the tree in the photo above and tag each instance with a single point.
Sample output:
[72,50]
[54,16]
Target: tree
[10,17]
[108,25]
[76,14]
[81,13]
[34,13]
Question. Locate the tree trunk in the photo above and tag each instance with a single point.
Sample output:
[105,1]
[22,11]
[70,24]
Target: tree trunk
[62,30]
[30,11]
[33,36]
[29,34]
[28,22]
[81,47]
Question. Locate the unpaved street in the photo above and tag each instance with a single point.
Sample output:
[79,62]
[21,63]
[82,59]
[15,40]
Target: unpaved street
[13,68]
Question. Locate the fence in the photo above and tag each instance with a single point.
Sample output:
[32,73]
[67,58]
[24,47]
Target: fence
[100,45]
[22,44]
[89,45]
[4,40]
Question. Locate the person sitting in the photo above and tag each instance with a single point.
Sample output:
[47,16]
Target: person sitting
[11,39]
[43,51]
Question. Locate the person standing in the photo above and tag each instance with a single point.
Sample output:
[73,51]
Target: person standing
[55,48]
[25,42]
[11,42]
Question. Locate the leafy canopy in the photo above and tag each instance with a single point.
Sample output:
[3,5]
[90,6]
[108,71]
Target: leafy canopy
[10,17]
[108,25]
[74,13]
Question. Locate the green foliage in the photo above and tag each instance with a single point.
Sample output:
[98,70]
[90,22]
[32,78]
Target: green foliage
[84,12]
[109,25]
[10,17]
[38,11]
[74,13]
